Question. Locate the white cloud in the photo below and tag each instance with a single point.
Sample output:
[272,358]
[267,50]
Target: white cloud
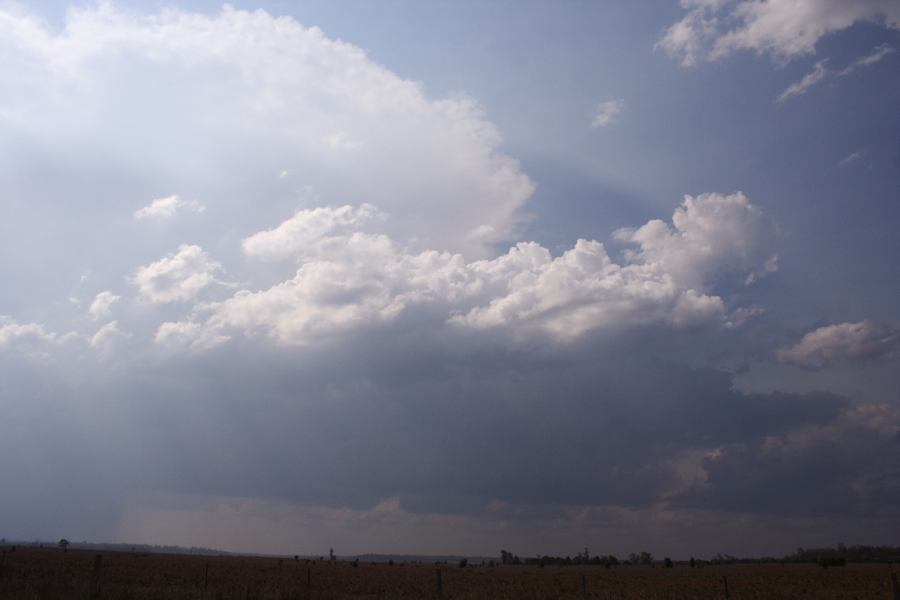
[31,339]
[688,38]
[852,158]
[12,332]
[102,304]
[177,277]
[782,28]
[108,336]
[809,80]
[350,279]
[310,232]
[820,72]
[187,335]
[355,130]
[168,207]
[712,233]
[607,112]
[877,54]
[843,342]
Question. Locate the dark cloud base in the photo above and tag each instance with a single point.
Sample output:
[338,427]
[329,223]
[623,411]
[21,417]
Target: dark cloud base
[606,422]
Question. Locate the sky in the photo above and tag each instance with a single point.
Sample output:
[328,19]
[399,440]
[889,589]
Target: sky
[451,277]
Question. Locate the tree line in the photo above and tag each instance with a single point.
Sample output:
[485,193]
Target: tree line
[825,557]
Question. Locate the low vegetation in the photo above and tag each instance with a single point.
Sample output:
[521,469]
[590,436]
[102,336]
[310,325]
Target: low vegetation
[50,572]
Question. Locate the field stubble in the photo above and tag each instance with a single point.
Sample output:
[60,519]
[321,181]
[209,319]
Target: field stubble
[50,573]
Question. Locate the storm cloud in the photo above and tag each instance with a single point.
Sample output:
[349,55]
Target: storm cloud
[253,277]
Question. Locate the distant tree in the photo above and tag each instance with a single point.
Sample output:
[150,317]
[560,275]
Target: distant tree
[646,558]
[64,544]
[693,562]
[463,563]
[331,555]
[668,563]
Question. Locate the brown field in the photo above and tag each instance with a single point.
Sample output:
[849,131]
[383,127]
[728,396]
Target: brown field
[32,573]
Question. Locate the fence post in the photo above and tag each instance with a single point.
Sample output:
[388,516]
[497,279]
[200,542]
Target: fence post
[440,585]
[206,577]
[309,582]
[895,587]
[584,587]
[95,576]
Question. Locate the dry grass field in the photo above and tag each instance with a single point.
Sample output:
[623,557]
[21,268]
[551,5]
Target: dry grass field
[31,573]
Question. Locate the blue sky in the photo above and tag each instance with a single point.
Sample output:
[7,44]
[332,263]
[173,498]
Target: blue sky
[451,277]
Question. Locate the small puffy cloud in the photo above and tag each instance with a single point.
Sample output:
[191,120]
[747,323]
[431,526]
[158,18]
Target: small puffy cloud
[783,29]
[844,342]
[102,304]
[177,277]
[710,234]
[176,333]
[168,207]
[607,112]
[348,279]
[186,334]
[12,333]
[310,232]
[30,339]
[809,80]
[108,336]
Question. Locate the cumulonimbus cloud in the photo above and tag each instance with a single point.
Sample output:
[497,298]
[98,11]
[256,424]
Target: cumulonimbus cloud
[207,89]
